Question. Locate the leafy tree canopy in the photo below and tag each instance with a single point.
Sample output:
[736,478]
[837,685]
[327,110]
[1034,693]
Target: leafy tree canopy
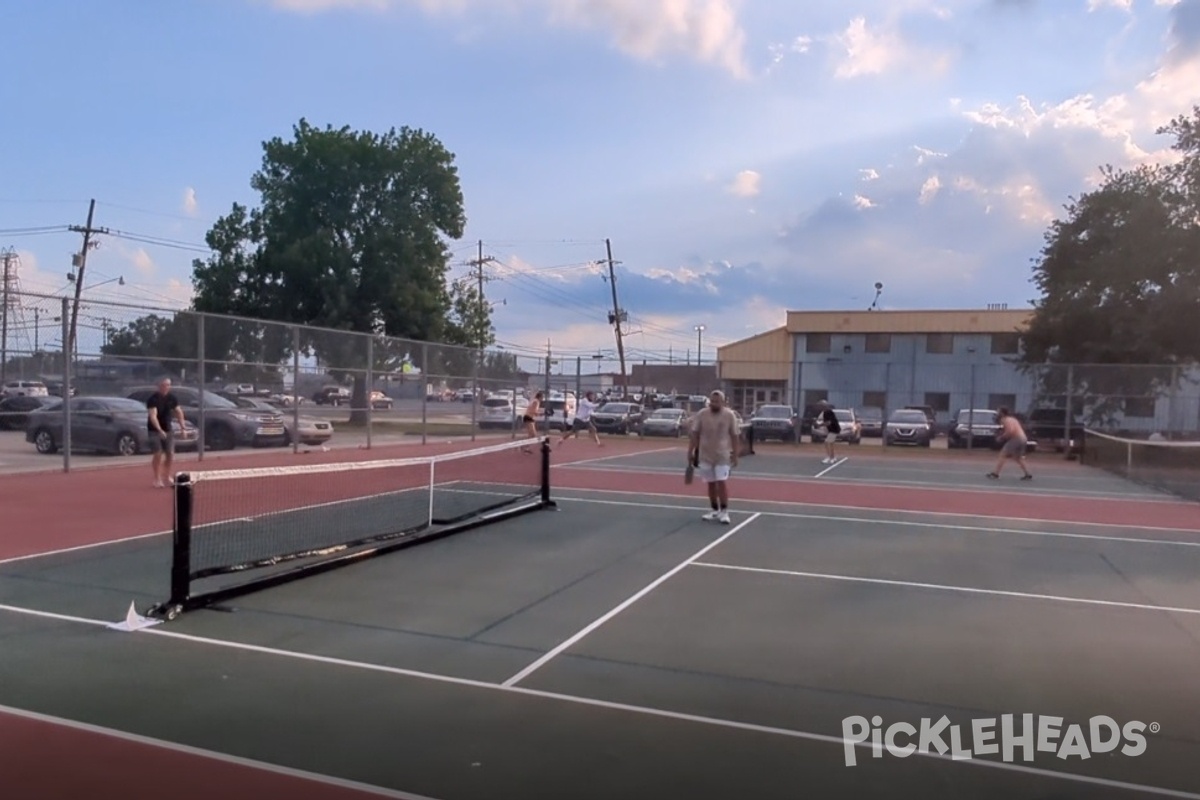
[1120,285]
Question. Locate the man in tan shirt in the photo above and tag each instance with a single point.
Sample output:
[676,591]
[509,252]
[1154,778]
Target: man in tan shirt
[714,452]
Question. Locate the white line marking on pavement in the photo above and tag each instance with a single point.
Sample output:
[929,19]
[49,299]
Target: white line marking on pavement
[944,588]
[541,662]
[832,467]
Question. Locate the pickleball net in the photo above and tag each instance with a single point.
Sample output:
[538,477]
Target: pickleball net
[1171,467]
[243,530]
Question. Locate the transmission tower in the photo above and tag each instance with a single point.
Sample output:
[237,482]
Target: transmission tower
[14,331]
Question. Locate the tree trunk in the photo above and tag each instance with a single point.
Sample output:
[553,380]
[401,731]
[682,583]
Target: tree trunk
[359,401]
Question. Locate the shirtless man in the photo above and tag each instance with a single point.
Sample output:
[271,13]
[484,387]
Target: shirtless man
[532,412]
[1012,436]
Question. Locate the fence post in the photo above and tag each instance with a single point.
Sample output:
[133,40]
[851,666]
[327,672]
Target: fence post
[424,394]
[475,399]
[970,413]
[1174,423]
[295,389]
[370,386]
[202,376]
[68,359]
[578,377]
[1069,411]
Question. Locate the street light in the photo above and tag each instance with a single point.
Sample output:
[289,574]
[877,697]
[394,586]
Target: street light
[699,342]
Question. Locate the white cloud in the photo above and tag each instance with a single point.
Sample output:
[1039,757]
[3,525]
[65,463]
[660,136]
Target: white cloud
[748,183]
[929,190]
[705,30]
[142,263]
[190,206]
[924,155]
[1125,5]
[869,174]
[863,202]
[867,50]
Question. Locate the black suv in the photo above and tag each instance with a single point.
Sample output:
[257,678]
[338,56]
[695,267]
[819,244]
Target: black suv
[225,425]
[1049,427]
[974,427]
[774,422]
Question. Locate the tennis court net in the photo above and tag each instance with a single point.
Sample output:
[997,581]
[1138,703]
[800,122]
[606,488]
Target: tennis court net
[1172,467]
[242,530]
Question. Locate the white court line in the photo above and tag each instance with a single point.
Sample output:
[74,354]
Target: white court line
[78,548]
[225,758]
[815,504]
[900,523]
[615,457]
[978,489]
[943,588]
[831,467]
[541,662]
[643,710]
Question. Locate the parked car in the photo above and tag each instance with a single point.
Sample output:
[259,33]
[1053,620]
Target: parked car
[774,422]
[871,422]
[100,424]
[24,389]
[14,411]
[908,426]
[618,418]
[331,396]
[312,430]
[380,401]
[225,425]
[665,422]
[1049,426]
[976,427]
[559,411]
[850,429]
[498,412]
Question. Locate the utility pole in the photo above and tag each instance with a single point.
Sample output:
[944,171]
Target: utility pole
[8,257]
[88,244]
[616,318]
[481,278]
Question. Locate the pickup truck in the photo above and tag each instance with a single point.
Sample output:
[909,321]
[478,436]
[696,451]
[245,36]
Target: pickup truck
[1049,428]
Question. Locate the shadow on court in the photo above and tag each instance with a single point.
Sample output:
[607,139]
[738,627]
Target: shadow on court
[601,650]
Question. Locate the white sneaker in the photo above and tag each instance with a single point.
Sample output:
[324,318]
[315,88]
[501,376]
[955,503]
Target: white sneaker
[710,516]
[724,518]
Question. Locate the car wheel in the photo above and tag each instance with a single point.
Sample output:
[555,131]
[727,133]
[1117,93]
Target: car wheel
[220,437]
[127,445]
[43,440]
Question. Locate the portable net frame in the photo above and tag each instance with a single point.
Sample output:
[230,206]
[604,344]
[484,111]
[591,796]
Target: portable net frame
[1170,467]
[239,531]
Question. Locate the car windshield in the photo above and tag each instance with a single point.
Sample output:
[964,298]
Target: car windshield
[775,412]
[844,416]
[616,408]
[871,414]
[980,416]
[496,402]
[667,413]
[910,417]
[122,405]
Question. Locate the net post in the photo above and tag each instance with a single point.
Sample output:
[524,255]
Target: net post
[546,472]
[1069,411]
[181,546]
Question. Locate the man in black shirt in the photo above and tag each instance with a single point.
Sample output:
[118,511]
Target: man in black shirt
[162,406]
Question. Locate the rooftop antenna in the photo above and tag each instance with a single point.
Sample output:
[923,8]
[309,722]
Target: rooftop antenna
[878,291]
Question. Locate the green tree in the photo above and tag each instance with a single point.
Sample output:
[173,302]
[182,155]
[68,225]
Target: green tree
[350,236]
[1120,286]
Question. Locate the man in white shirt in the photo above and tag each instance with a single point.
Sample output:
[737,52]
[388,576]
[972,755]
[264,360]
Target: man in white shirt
[583,420]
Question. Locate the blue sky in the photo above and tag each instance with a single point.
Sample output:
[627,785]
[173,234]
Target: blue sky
[744,158]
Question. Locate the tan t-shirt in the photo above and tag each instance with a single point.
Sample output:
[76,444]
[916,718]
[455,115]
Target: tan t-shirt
[716,432]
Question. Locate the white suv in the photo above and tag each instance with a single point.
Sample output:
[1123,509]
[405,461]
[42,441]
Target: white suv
[25,389]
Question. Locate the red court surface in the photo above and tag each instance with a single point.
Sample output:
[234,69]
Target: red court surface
[88,762]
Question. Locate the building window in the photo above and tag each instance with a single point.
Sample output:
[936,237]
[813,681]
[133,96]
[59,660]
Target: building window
[879,343]
[998,401]
[1139,407]
[1006,344]
[939,343]
[938,401]
[814,396]
[874,399]
[818,342]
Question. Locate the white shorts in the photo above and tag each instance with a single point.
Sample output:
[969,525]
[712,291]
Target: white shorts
[710,473]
